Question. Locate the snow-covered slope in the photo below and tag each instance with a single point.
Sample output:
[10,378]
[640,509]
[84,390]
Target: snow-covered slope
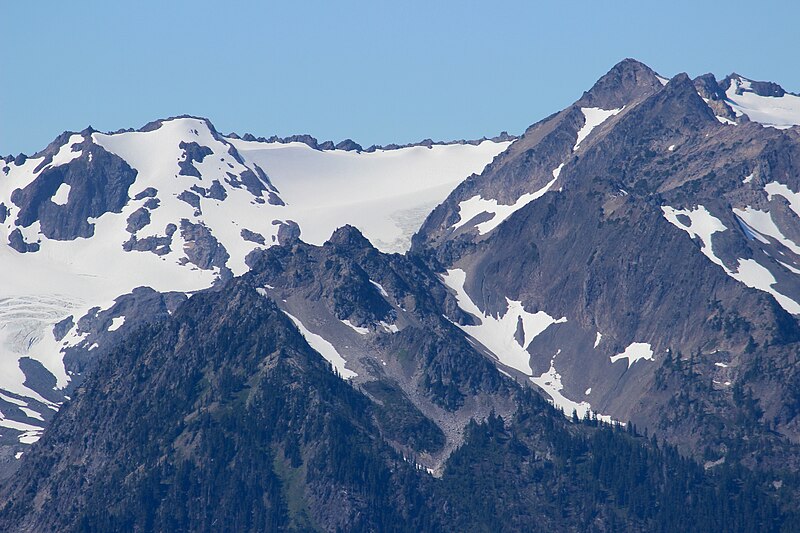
[386,194]
[776,111]
[176,206]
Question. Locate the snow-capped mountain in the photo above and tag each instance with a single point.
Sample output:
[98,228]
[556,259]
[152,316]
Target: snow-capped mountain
[175,207]
[652,221]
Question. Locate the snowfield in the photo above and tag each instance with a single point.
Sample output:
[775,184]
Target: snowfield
[386,194]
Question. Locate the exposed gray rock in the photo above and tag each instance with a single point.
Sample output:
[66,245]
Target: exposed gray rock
[192,152]
[153,243]
[17,242]
[711,91]
[349,145]
[149,192]
[97,187]
[63,327]
[151,203]
[217,191]
[137,220]
[288,231]
[192,199]
[253,236]
[202,248]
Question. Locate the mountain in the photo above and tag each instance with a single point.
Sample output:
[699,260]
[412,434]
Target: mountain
[95,221]
[657,236]
[593,328]
[224,416]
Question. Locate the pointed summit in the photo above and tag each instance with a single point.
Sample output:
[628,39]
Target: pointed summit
[628,81]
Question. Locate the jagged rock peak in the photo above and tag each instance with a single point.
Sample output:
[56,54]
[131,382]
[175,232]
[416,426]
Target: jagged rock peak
[628,81]
[349,236]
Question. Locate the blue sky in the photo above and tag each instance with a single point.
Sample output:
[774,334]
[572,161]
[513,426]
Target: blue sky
[377,72]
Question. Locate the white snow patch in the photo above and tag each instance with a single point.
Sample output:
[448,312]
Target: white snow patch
[499,334]
[380,289]
[468,209]
[325,348]
[702,225]
[391,328]
[663,81]
[116,323]
[761,222]
[550,383]
[30,413]
[748,178]
[721,365]
[61,197]
[357,329]
[754,275]
[671,148]
[30,433]
[18,455]
[15,401]
[597,339]
[726,121]
[790,268]
[634,352]
[588,391]
[779,189]
[594,117]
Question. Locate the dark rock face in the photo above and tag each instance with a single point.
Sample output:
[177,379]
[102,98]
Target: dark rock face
[137,220]
[159,245]
[628,81]
[151,203]
[17,242]
[349,145]
[217,191]
[99,183]
[149,192]
[192,199]
[348,279]
[714,94]
[253,236]
[3,212]
[288,231]
[192,152]
[202,248]
[63,327]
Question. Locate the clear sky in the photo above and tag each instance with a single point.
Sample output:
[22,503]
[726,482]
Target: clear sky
[375,71]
